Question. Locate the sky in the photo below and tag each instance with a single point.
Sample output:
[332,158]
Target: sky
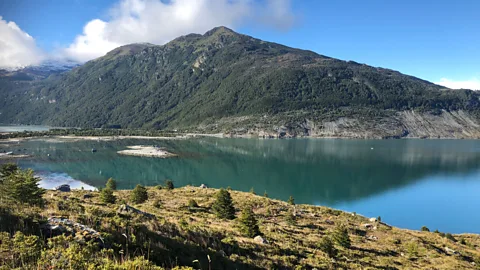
[436,40]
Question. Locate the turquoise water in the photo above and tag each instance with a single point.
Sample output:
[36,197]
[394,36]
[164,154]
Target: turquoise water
[22,128]
[409,183]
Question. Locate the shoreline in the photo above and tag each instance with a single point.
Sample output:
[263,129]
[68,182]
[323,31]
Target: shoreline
[73,138]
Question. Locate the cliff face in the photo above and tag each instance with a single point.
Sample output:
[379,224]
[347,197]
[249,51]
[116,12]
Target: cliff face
[404,124]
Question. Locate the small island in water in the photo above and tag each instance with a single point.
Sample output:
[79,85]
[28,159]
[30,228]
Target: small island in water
[146,151]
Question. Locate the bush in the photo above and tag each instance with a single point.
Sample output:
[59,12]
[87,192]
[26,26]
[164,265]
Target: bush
[223,205]
[157,204]
[265,194]
[425,229]
[450,237]
[252,191]
[291,200]
[139,194]
[291,219]
[341,237]
[248,223]
[326,245]
[192,203]
[21,185]
[169,184]
[106,195]
[111,184]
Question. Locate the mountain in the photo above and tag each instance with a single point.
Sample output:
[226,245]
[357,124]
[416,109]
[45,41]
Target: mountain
[223,81]
[37,72]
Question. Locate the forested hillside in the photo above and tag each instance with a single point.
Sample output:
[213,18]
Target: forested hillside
[223,81]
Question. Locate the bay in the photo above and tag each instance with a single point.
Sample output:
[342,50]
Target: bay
[409,183]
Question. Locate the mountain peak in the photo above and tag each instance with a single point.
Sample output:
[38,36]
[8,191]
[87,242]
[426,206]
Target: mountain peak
[220,30]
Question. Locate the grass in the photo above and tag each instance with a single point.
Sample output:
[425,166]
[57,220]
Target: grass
[183,235]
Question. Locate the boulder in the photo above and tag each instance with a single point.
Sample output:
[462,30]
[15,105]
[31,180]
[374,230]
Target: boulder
[373,219]
[260,240]
[367,226]
[87,196]
[127,209]
[63,188]
[203,186]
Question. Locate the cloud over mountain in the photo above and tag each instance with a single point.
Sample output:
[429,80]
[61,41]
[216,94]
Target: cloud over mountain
[158,22]
[473,84]
[17,48]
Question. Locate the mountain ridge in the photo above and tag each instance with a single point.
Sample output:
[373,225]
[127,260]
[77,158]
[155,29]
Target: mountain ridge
[223,81]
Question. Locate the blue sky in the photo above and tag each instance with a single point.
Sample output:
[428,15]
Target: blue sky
[428,39]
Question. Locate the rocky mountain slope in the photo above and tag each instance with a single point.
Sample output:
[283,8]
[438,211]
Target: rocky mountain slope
[223,81]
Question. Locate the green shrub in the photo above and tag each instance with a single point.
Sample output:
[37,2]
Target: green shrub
[111,184]
[157,204]
[341,237]
[412,249]
[223,205]
[139,194]
[169,184]
[252,191]
[291,219]
[450,237]
[291,200]
[425,229]
[248,223]
[326,245]
[192,203]
[106,195]
[265,194]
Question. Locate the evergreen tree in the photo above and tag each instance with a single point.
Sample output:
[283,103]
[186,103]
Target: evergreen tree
[248,223]
[291,219]
[139,194]
[223,205]
[341,237]
[326,245]
[7,170]
[22,186]
[106,195]
[111,184]
[169,184]
[291,200]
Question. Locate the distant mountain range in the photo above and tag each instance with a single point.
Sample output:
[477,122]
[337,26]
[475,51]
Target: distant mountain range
[223,81]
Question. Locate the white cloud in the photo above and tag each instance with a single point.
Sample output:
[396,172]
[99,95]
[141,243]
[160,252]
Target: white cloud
[473,84]
[17,48]
[158,22]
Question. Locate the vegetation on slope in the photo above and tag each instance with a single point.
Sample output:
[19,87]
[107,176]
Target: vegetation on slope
[196,80]
[168,230]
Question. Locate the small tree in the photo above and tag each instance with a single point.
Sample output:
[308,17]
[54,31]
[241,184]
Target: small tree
[425,229]
[252,191]
[111,184]
[291,219]
[106,195]
[7,170]
[326,245]
[248,223]
[22,186]
[169,184]
[341,237]
[223,205]
[139,194]
[265,194]
[291,200]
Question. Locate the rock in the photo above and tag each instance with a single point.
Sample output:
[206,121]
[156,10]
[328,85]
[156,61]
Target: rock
[87,196]
[328,221]
[373,219]
[260,240]
[63,188]
[203,186]
[126,209]
[450,251]
[372,237]
[367,226]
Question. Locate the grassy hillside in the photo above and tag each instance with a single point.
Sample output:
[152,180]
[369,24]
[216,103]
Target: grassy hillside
[223,81]
[179,227]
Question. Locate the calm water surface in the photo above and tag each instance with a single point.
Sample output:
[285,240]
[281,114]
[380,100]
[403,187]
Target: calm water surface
[409,183]
[22,128]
